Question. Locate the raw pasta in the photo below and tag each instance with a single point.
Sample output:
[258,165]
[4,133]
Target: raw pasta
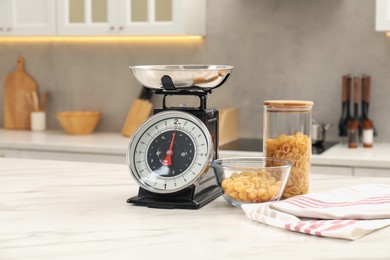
[299,152]
[252,186]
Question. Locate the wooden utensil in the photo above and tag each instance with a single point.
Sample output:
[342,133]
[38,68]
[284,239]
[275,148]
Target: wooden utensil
[366,97]
[44,101]
[356,98]
[17,108]
[139,111]
[353,125]
[35,101]
[346,103]
[366,93]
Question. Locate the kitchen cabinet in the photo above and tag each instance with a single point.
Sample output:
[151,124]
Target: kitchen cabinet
[131,17]
[27,17]
[350,171]
[332,170]
[63,156]
[86,17]
[382,15]
[70,156]
[372,172]
[9,153]
[2,17]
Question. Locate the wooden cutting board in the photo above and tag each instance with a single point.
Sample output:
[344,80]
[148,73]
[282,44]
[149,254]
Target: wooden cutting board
[17,109]
[139,111]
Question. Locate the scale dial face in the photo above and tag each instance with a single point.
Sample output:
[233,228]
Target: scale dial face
[169,151]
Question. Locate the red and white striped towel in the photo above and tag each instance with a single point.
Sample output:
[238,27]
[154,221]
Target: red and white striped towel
[347,213]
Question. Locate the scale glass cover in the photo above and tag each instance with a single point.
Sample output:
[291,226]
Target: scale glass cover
[169,152]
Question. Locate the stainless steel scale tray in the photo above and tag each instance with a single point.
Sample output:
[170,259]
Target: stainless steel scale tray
[183,76]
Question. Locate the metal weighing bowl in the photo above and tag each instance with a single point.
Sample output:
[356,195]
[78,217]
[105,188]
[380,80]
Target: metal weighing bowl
[183,76]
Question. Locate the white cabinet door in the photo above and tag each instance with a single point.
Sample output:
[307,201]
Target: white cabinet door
[3,13]
[28,17]
[131,17]
[382,15]
[87,17]
[162,17]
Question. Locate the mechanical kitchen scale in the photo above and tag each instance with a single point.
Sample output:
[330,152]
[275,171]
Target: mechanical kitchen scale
[169,155]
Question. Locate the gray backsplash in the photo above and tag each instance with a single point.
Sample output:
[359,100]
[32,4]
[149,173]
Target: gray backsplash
[281,49]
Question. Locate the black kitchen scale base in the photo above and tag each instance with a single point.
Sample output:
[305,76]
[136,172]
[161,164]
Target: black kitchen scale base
[186,199]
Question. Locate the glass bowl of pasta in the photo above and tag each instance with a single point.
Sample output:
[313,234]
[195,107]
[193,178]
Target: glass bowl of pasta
[251,179]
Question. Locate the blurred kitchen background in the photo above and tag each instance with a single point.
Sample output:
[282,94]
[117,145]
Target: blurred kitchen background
[280,49]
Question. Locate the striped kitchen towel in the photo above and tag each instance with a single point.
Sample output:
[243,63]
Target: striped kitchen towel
[347,213]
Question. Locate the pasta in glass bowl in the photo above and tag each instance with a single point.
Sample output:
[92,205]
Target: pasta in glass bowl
[251,179]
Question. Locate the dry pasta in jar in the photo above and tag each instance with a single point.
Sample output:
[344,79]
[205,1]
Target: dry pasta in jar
[297,149]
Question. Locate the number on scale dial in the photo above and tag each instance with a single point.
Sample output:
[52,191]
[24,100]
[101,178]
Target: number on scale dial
[169,152]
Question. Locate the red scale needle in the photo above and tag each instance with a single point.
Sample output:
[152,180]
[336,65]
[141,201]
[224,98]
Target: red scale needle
[168,158]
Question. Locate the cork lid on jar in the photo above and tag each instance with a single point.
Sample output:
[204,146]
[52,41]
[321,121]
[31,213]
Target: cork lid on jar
[289,103]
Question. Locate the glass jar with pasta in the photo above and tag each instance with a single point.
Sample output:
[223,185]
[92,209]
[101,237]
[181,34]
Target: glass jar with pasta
[287,135]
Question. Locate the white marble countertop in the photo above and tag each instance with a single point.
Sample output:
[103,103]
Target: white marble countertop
[97,143]
[116,144]
[375,157]
[71,210]
[340,155]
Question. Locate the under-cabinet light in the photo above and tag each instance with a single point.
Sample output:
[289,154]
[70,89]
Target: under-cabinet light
[80,39]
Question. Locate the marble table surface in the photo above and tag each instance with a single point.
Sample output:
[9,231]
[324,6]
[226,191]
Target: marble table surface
[72,210]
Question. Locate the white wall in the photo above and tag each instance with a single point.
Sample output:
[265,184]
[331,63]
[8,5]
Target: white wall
[281,49]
